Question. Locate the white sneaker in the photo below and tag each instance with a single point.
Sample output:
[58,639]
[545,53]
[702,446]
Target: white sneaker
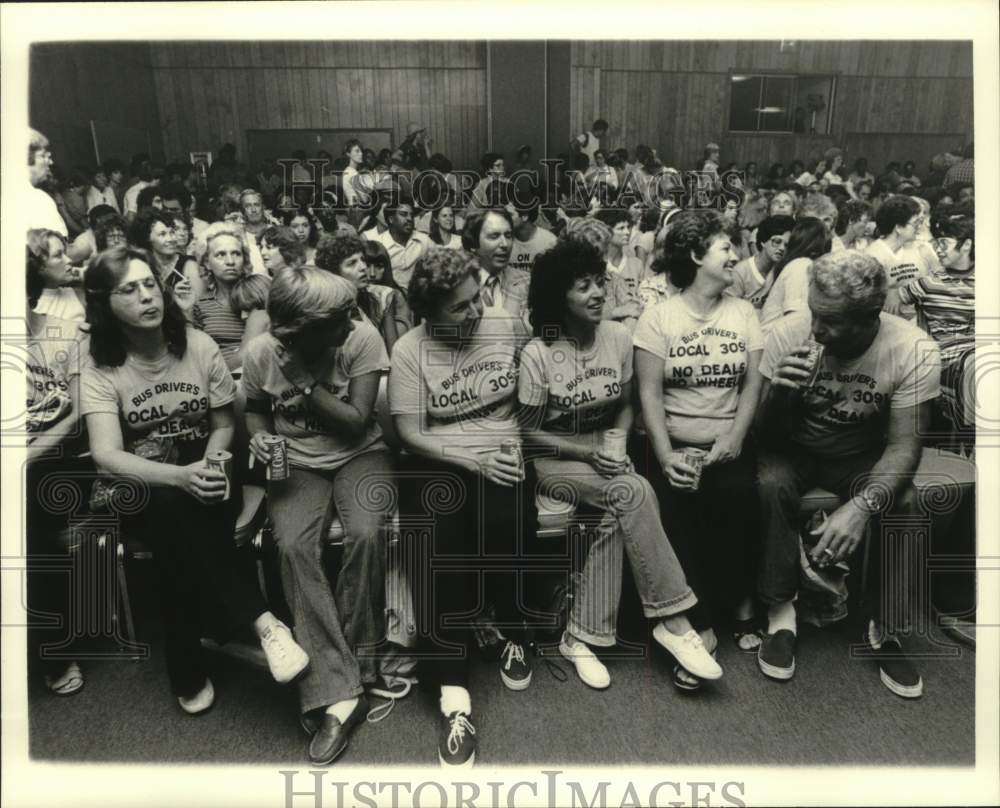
[285,657]
[588,667]
[689,651]
[200,701]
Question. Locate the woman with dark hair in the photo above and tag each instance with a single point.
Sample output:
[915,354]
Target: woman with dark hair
[776,173]
[384,306]
[52,282]
[452,394]
[280,248]
[226,260]
[442,230]
[380,265]
[153,232]
[158,401]
[696,361]
[84,246]
[303,225]
[854,224]
[809,240]
[313,379]
[54,348]
[575,382]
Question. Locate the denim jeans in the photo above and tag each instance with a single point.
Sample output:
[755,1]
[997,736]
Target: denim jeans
[631,523]
[340,629]
[785,473]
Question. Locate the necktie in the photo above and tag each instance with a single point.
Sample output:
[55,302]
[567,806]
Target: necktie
[491,291]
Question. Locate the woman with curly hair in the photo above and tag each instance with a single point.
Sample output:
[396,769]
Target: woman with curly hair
[154,232]
[696,361]
[853,220]
[158,398]
[280,248]
[226,260]
[384,306]
[575,382]
[303,225]
[453,398]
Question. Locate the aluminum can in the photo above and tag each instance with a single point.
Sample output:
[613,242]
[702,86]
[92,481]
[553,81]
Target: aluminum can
[223,461]
[816,351]
[614,443]
[277,467]
[695,458]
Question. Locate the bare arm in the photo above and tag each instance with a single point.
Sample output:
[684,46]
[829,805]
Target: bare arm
[649,370]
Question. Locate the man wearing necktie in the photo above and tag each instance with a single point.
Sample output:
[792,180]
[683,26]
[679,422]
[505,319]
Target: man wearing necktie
[489,235]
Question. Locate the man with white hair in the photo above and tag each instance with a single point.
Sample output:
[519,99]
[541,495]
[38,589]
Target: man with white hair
[40,208]
[852,427]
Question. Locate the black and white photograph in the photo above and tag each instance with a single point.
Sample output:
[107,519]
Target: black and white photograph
[462,404]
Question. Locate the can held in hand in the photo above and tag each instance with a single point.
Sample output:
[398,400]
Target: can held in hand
[695,458]
[511,446]
[815,359]
[277,467]
[223,461]
[614,443]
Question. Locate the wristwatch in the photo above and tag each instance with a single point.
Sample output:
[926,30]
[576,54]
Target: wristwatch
[308,389]
[874,498]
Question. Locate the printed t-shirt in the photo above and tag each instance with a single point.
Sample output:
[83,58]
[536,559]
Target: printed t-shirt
[846,411]
[908,263]
[705,359]
[789,293]
[629,271]
[161,403]
[580,390]
[522,254]
[465,396]
[312,443]
[52,362]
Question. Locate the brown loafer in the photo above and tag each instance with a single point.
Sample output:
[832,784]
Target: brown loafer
[331,738]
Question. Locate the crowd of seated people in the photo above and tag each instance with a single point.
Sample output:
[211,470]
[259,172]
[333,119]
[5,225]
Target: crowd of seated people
[631,339]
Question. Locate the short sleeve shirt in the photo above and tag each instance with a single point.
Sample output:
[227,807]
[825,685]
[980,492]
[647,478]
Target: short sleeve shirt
[789,293]
[311,442]
[161,403]
[579,390]
[52,363]
[465,396]
[522,254]
[846,411]
[704,362]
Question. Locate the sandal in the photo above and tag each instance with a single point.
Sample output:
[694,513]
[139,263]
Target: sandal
[68,683]
[747,635]
[687,681]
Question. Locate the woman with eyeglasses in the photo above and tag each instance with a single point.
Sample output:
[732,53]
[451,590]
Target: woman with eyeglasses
[809,239]
[157,398]
[226,260]
[313,380]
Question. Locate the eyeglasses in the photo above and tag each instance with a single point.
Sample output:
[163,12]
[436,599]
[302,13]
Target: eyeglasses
[129,289]
[944,243]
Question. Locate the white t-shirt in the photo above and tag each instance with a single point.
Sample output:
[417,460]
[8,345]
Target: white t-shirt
[312,443]
[907,263]
[789,293]
[465,397]
[96,197]
[164,402]
[581,390]
[522,254]
[404,258]
[131,199]
[62,303]
[846,411]
[41,211]
[749,284]
[704,362]
[589,144]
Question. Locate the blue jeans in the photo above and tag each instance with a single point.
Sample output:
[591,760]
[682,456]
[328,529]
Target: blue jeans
[631,523]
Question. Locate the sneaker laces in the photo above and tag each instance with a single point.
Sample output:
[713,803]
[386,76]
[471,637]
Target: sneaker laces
[459,725]
[514,652]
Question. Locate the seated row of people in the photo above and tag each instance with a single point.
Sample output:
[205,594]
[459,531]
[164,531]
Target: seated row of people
[465,386]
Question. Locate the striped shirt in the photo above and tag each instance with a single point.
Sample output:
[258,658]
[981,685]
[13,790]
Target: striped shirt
[946,304]
[217,319]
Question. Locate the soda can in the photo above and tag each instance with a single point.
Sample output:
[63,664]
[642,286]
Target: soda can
[277,467]
[815,359]
[614,443]
[510,446]
[223,461]
[695,458]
